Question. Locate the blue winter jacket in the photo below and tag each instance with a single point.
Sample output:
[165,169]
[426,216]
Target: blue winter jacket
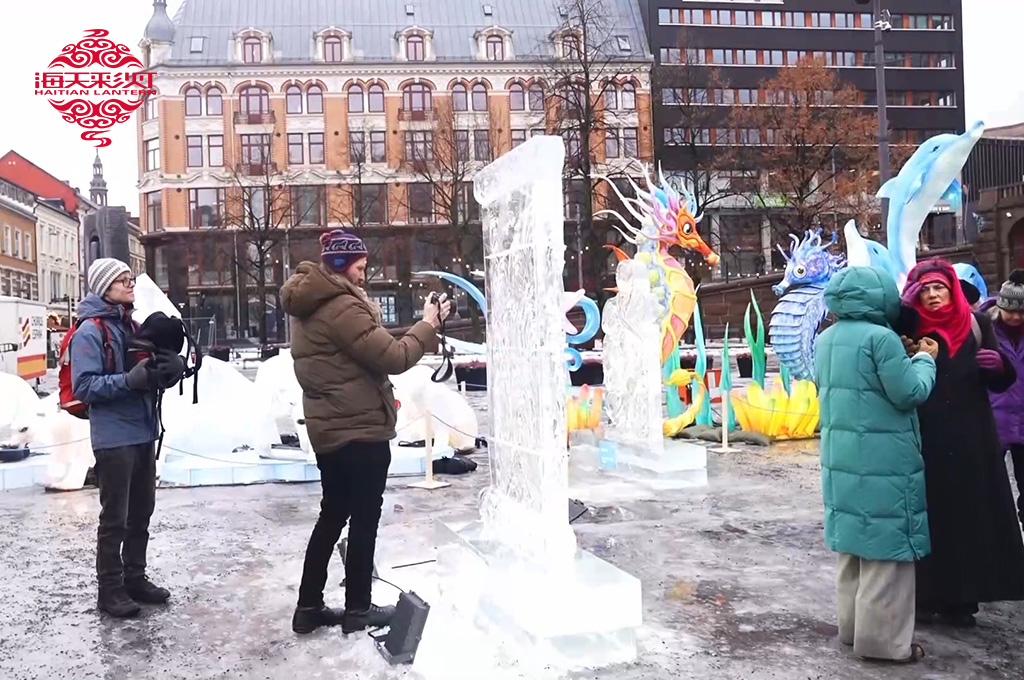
[117,415]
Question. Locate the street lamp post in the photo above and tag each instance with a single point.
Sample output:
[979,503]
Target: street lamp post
[882,24]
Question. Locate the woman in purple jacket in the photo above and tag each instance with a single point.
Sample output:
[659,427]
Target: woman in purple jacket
[1007,311]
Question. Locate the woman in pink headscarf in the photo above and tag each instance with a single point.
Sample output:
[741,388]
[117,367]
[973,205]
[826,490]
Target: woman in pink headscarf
[977,552]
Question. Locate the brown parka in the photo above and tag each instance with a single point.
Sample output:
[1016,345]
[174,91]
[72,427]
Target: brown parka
[343,357]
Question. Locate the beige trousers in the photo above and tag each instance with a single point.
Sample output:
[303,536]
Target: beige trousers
[875,602]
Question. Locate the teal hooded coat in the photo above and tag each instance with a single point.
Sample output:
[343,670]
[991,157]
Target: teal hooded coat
[872,473]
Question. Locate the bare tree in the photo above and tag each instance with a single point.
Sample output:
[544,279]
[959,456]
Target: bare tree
[362,206]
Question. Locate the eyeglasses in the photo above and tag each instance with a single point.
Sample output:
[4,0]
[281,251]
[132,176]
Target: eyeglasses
[126,281]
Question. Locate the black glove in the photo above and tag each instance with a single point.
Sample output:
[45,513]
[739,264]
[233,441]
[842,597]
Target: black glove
[140,378]
[169,369]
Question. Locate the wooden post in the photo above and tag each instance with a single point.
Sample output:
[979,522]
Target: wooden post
[725,448]
[428,434]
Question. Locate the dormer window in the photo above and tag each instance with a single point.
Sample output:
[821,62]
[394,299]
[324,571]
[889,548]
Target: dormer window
[570,47]
[252,51]
[495,48]
[332,49]
[332,45]
[414,48]
[493,44]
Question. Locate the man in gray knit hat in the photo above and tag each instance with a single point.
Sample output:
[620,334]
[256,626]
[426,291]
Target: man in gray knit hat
[120,393]
[1007,310]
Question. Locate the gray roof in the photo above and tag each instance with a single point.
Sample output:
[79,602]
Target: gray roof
[373,24]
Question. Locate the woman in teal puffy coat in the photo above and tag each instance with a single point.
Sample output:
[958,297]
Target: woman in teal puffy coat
[872,473]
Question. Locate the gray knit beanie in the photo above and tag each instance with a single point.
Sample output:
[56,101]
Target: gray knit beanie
[102,273]
[1011,293]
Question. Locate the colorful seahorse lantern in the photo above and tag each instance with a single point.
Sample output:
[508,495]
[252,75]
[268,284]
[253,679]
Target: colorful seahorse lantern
[801,308]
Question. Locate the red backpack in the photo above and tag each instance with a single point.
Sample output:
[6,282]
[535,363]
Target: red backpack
[68,402]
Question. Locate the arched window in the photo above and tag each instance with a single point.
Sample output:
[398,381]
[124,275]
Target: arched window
[479,97]
[355,99]
[460,98]
[214,102]
[293,99]
[332,49]
[151,110]
[516,97]
[254,101]
[495,48]
[314,99]
[193,102]
[375,99]
[252,51]
[416,97]
[414,48]
[627,97]
[536,97]
[611,97]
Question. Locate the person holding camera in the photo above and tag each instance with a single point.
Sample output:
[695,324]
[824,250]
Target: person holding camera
[120,392]
[343,356]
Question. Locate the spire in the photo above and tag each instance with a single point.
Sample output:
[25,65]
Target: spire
[160,27]
[98,185]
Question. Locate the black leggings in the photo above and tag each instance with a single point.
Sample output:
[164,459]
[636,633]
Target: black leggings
[353,480]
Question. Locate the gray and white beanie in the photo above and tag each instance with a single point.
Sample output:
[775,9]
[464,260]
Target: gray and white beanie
[1011,293]
[102,273]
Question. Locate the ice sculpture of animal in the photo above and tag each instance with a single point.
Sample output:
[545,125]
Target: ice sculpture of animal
[667,218]
[801,309]
[929,176]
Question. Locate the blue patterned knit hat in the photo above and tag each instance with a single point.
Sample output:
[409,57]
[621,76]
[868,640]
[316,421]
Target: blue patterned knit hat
[339,249]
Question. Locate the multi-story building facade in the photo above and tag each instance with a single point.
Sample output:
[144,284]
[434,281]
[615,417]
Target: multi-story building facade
[18,269]
[57,236]
[745,43]
[350,114]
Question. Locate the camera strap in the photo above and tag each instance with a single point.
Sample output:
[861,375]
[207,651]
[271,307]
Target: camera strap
[445,370]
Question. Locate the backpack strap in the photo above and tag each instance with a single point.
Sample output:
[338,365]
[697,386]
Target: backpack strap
[110,362]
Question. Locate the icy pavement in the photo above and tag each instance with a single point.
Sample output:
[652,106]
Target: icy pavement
[737,584]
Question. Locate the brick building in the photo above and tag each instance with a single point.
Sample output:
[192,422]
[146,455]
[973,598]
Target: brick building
[19,275]
[336,114]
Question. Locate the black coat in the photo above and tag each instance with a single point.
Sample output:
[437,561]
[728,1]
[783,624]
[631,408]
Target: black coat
[977,553]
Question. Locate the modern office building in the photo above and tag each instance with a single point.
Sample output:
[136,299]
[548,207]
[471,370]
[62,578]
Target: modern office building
[747,42]
[332,113]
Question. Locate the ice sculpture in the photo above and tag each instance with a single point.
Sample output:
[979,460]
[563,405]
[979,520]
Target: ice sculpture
[632,361]
[454,420]
[801,309]
[516,576]
[276,378]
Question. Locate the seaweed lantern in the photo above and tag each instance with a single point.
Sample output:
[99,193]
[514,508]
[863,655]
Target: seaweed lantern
[801,308]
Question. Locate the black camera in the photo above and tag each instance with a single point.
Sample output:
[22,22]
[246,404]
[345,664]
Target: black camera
[435,298]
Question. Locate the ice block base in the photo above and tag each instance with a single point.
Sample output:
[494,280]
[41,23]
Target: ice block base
[680,465]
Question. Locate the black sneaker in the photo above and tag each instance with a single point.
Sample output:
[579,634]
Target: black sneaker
[116,603]
[307,619]
[145,591]
[374,617]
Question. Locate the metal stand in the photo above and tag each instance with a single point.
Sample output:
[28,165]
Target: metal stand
[725,448]
[429,483]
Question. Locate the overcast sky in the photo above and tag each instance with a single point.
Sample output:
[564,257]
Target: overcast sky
[34,31]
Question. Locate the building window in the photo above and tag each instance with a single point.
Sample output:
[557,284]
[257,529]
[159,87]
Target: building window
[536,97]
[378,147]
[518,137]
[254,208]
[375,99]
[332,49]
[629,142]
[536,132]
[386,301]
[482,145]
[611,143]
[152,148]
[214,102]
[416,97]
[17,243]
[355,99]
[193,102]
[573,201]
[314,99]
[255,149]
[7,240]
[479,97]
[414,48]
[194,151]
[421,203]
[295,152]
[468,210]
[611,97]
[293,99]
[254,100]
[308,206]
[357,147]
[419,145]
[460,99]
[216,143]
[27,252]
[371,203]
[205,208]
[628,97]
[152,110]
[570,47]
[462,146]
[316,148]
[154,211]
[252,51]
[495,48]
[516,97]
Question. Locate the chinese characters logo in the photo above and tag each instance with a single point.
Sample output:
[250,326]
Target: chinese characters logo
[96,87]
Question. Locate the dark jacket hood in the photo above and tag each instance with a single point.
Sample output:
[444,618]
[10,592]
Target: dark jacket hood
[310,288]
[93,306]
[864,294]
